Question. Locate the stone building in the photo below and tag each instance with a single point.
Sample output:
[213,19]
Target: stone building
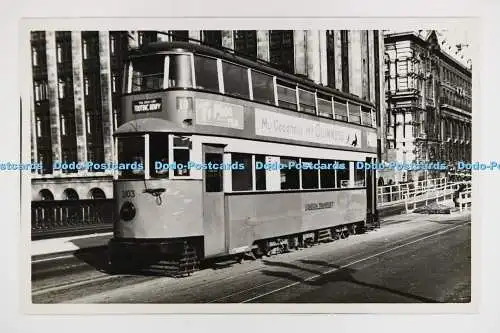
[428,94]
[77,78]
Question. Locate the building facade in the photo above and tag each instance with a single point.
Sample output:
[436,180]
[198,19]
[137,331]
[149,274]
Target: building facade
[77,79]
[429,102]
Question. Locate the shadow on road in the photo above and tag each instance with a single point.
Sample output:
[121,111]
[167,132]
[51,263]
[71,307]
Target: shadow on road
[340,274]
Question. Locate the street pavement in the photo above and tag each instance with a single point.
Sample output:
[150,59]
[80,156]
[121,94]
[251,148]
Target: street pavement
[411,259]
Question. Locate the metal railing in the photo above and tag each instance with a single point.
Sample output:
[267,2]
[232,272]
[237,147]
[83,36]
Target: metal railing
[464,199]
[68,217]
[435,193]
[393,194]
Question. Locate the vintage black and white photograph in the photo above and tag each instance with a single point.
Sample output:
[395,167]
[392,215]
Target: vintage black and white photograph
[249,166]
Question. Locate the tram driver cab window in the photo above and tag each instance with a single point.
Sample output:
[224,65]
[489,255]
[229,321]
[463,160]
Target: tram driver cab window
[182,148]
[131,153]
[158,155]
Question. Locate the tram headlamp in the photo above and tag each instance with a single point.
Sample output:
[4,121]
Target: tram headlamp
[127,212]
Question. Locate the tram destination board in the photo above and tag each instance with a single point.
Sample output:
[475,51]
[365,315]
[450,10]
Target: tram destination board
[147,105]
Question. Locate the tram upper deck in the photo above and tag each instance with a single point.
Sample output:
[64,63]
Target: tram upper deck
[211,92]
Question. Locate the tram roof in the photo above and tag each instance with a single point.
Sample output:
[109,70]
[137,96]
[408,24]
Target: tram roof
[148,125]
[264,66]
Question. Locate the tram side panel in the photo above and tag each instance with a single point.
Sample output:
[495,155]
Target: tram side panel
[176,213]
[261,216]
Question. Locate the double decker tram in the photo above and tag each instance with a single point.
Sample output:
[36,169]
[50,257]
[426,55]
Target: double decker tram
[226,156]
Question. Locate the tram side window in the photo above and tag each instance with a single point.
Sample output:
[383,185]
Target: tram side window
[309,174]
[158,155]
[179,71]
[206,73]
[289,173]
[213,177]
[182,147]
[359,177]
[147,73]
[343,174]
[235,80]
[307,101]
[286,96]
[327,175]
[340,110]
[260,174]
[325,106]
[131,153]
[263,87]
[355,113]
[242,178]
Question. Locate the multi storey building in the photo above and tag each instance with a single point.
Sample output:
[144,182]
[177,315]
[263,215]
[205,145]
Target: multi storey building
[428,94]
[77,78]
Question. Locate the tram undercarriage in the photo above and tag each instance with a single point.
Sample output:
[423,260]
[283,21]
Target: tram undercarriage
[184,256]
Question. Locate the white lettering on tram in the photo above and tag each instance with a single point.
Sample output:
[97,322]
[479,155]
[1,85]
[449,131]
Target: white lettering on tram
[277,125]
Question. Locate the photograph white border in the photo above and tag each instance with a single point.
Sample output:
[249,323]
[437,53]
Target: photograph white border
[170,23]
[486,213]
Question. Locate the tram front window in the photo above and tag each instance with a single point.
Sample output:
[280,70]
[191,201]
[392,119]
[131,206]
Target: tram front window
[147,73]
[131,156]
[158,155]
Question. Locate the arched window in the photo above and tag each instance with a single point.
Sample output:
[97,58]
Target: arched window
[70,194]
[45,195]
[97,193]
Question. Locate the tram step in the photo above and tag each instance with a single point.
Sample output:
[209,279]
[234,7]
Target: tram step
[324,236]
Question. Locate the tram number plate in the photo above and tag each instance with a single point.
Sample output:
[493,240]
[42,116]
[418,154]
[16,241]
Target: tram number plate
[128,194]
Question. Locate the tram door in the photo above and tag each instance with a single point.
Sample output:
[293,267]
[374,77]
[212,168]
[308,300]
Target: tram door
[213,202]
[371,190]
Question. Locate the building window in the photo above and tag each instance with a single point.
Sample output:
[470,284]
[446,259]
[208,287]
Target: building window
[289,173]
[235,80]
[88,122]
[281,49]
[212,38]
[70,194]
[61,88]
[242,177]
[245,42]
[85,50]
[34,56]
[330,57]
[146,37]
[179,35]
[112,45]
[59,53]
[344,51]
[39,132]
[309,174]
[113,83]
[206,74]
[86,86]
[63,125]
[115,119]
